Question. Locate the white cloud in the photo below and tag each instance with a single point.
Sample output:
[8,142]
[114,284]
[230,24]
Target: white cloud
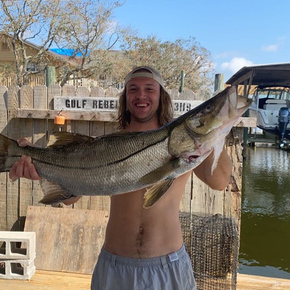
[270,48]
[235,64]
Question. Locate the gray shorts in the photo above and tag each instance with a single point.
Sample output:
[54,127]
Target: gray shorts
[170,272]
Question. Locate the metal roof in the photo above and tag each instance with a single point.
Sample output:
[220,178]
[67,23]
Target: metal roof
[262,75]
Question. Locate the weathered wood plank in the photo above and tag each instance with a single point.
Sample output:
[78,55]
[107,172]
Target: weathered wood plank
[50,280]
[82,127]
[52,91]
[39,136]
[3,176]
[251,282]
[185,204]
[99,116]
[69,115]
[65,237]
[25,130]
[13,126]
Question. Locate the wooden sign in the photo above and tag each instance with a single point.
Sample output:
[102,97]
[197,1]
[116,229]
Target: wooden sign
[85,104]
[182,106]
[110,104]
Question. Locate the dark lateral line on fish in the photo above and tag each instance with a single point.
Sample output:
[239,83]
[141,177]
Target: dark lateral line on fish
[112,163]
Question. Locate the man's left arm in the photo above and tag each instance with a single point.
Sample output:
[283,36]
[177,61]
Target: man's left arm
[220,177]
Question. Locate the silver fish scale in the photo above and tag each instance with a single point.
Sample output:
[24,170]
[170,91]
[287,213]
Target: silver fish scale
[103,168]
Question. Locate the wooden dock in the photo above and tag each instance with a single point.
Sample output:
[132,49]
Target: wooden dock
[261,140]
[66,281]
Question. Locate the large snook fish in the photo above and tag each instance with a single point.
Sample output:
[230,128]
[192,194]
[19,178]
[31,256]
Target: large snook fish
[122,162]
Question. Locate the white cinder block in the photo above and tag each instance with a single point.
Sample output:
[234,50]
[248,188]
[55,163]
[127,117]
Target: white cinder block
[17,269]
[17,245]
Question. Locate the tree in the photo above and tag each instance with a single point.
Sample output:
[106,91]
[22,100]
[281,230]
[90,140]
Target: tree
[83,26]
[170,58]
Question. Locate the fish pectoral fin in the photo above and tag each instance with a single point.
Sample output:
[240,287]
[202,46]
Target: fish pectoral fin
[161,172]
[155,192]
[53,193]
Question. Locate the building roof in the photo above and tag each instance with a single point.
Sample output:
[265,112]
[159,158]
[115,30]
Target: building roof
[262,75]
[36,47]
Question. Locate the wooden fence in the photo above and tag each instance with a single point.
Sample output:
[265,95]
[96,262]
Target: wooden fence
[29,112]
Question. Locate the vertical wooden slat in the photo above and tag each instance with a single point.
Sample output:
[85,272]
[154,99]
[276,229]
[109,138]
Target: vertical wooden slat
[98,129]
[39,134]
[185,205]
[68,91]
[3,176]
[111,92]
[13,126]
[82,127]
[97,92]
[111,127]
[25,130]
[52,91]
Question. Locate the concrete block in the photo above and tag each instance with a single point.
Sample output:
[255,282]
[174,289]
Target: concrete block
[17,245]
[17,269]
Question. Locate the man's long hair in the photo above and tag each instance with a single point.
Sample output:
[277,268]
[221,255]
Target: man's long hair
[165,109]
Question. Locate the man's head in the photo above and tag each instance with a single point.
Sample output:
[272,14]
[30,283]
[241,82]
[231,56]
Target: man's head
[145,71]
[146,77]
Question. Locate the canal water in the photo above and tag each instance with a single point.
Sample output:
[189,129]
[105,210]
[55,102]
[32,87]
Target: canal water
[265,228]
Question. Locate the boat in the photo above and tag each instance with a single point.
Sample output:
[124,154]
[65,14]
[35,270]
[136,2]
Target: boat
[271,107]
[269,87]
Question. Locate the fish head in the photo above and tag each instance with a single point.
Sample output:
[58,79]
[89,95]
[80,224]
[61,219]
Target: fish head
[204,128]
[217,114]
[212,122]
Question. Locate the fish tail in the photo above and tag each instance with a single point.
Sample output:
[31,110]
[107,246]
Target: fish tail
[7,146]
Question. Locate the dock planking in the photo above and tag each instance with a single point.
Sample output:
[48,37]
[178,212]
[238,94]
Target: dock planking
[49,280]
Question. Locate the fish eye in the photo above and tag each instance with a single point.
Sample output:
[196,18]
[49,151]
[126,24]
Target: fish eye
[208,108]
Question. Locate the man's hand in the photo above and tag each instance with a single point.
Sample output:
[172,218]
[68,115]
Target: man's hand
[24,167]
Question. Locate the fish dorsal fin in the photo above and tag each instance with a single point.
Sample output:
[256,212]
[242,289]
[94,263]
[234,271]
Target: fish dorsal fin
[65,138]
[155,192]
[122,134]
[53,193]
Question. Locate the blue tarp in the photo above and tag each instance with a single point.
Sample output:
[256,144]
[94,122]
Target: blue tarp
[65,51]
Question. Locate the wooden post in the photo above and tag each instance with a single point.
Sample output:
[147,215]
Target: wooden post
[182,75]
[50,75]
[219,82]
[3,176]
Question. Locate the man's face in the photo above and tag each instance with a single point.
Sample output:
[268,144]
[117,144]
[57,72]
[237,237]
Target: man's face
[143,95]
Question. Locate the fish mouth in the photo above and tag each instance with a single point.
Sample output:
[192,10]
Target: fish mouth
[242,104]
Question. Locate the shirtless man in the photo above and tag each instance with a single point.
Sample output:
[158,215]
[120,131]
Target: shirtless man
[143,248]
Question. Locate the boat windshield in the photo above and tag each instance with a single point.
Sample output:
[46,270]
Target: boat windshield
[262,95]
[277,94]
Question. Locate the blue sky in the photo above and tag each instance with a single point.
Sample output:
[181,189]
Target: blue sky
[237,33]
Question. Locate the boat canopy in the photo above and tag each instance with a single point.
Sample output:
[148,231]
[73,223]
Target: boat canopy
[270,75]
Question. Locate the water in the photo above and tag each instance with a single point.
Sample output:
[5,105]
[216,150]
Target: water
[265,228]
